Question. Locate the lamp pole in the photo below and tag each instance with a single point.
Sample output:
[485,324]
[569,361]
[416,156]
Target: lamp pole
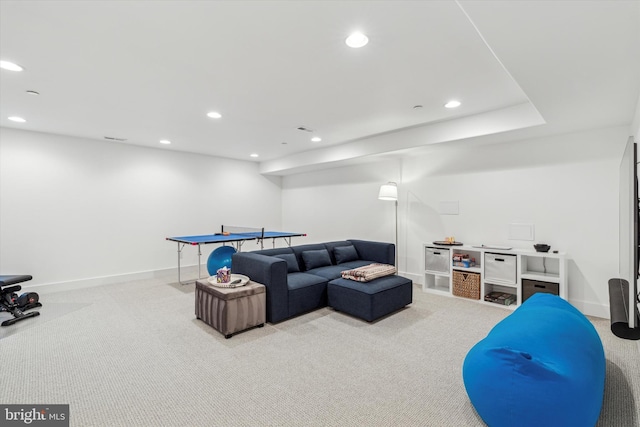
[396,242]
[389,191]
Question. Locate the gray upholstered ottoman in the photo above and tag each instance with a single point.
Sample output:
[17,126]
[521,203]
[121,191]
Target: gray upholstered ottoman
[370,300]
[231,310]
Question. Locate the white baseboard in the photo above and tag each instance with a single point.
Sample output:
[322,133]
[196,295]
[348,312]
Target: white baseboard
[591,309]
[71,285]
[415,278]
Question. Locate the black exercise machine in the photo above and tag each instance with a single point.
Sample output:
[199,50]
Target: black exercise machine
[14,304]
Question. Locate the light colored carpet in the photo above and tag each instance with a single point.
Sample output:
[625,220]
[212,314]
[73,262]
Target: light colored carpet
[133,354]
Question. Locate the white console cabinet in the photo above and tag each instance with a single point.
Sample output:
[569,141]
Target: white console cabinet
[517,272]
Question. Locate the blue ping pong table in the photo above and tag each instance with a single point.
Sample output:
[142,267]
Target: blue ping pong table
[235,238]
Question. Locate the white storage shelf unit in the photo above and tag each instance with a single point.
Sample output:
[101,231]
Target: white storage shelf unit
[515,271]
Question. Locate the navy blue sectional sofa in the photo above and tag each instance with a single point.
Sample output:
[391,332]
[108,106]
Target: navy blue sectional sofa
[303,278]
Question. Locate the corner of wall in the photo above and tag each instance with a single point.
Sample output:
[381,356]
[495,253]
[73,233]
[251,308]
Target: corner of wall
[635,124]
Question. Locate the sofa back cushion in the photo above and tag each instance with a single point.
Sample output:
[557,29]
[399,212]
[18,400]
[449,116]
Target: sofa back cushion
[316,258]
[303,248]
[273,252]
[292,262]
[345,254]
[332,245]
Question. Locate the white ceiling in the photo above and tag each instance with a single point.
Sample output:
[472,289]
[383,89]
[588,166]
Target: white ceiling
[151,70]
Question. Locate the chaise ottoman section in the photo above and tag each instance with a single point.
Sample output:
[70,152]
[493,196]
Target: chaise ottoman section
[370,300]
[230,310]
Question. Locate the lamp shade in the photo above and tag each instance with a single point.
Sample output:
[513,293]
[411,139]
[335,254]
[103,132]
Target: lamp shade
[388,191]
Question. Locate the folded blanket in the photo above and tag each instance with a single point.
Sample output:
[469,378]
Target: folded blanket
[369,272]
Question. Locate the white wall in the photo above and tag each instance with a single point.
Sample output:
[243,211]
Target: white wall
[635,123]
[340,203]
[79,209]
[567,186]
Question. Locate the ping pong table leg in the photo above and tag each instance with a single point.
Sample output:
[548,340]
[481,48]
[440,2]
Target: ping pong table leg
[180,248]
[199,255]
[179,253]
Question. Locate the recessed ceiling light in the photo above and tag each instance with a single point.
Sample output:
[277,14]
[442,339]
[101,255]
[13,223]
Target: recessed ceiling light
[33,92]
[6,65]
[214,115]
[165,141]
[253,155]
[17,119]
[452,104]
[316,139]
[357,40]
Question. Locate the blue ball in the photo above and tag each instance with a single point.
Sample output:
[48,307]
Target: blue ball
[221,257]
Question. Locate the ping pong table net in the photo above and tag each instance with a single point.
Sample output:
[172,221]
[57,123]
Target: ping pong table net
[247,231]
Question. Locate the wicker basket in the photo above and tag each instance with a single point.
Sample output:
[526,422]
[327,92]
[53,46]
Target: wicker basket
[466,285]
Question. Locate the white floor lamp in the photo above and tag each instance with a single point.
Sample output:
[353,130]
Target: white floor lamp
[389,191]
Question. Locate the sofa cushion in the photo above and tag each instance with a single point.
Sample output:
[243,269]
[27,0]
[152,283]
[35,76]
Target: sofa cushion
[330,246]
[329,272]
[292,262]
[303,280]
[375,286]
[353,264]
[370,301]
[316,258]
[345,254]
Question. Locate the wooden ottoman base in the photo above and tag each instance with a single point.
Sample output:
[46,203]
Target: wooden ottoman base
[231,310]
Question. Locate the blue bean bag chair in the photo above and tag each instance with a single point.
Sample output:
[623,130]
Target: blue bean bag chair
[543,365]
